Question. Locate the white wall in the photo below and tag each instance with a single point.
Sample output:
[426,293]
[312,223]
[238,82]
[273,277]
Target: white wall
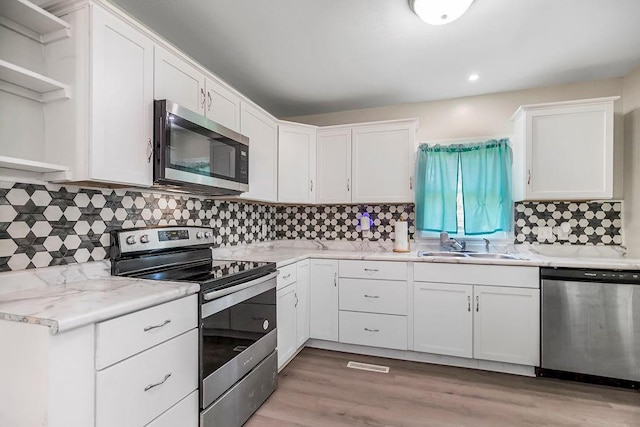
[631,215]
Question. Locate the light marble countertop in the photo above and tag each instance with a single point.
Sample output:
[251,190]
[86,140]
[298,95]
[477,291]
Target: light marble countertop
[290,251]
[67,297]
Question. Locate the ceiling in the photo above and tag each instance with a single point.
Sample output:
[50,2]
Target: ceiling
[299,57]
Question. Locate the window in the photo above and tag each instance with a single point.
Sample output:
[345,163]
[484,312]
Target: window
[464,189]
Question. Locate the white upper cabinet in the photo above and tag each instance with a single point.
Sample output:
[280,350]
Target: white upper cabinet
[564,150]
[221,105]
[183,83]
[334,166]
[178,81]
[122,102]
[262,131]
[296,163]
[383,162]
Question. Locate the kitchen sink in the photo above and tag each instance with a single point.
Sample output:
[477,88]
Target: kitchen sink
[442,254]
[492,256]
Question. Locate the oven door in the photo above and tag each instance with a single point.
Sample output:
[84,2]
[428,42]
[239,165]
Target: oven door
[237,331]
[192,151]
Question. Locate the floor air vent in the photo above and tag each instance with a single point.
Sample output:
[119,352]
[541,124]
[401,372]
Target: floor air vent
[368,367]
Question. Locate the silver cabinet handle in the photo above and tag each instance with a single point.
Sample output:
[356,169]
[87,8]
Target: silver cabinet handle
[148,328]
[150,386]
[371,330]
[149,150]
[204,98]
[348,184]
[210,101]
[468,302]
[371,296]
[311,186]
[529,177]
[477,303]
[296,295]
[335,279]
[371,269]
[287,276]
[410,183]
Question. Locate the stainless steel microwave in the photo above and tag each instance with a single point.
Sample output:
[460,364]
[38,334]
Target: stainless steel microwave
[195,154]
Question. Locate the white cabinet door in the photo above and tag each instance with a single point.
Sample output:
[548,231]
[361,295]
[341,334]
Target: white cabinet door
[443,319]
[383,163]
[286,323]
[262,131]
[222,106]
[122,102]
[177,81]
[507,325]
[334,166]
[323,308]
[302,303]
[296,163]
[564,150]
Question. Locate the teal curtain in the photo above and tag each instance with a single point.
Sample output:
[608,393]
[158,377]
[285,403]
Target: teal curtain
[436,188]
[486,187]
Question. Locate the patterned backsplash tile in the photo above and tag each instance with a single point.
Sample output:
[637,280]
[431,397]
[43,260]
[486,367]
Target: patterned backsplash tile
[591,223]
[51,225]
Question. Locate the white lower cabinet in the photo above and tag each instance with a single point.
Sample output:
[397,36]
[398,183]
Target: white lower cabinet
[286,314]
[323,307]
[507,325]
[373,329]
[477,319]
[443,319]
[292,310]
[184,413]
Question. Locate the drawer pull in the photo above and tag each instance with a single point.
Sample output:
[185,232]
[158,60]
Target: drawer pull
[148,328]
[286,276]
[371,330]
[371,296]
[150,386]
[371,269]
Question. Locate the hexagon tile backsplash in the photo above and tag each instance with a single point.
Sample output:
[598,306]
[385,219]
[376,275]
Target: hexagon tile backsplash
[43,225]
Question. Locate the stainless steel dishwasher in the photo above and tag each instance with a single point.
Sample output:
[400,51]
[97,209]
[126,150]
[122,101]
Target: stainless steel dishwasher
[591,322]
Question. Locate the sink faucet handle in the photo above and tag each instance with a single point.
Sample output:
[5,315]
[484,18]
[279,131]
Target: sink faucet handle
[444,237]
[487,242]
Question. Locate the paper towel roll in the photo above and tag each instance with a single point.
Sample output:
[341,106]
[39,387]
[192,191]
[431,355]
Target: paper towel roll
[402,236]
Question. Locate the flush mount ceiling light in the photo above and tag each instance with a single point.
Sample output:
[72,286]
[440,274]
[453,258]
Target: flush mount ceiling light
[439,12]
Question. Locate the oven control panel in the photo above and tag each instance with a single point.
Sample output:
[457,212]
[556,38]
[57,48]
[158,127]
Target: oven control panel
[150,239]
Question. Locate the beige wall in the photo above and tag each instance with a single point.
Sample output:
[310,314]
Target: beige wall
[631,216]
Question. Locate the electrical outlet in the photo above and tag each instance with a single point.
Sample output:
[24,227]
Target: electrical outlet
[264,230]
[545,233]
[563,231]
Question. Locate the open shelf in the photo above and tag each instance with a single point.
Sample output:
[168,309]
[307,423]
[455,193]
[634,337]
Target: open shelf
[32,21]
[29,84]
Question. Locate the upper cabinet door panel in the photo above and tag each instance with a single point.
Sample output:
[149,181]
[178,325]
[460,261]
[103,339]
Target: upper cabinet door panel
[222,105]
[296,163]
[262,131]
[383,163]
[122,101]
[178,81]
[334,166]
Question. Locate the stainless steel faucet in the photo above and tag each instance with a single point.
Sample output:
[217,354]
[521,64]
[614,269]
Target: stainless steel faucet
[450,243]
[487,242]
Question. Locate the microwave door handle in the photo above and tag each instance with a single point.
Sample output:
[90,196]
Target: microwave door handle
[226,291]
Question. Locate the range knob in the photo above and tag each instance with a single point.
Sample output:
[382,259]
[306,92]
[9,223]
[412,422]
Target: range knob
[131,240]
[199,235]
[144,238]
[208,234]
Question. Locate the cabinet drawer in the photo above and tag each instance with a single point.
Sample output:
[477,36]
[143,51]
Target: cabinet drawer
[383,270]
[137,390]
[184,414]
[125,336]
[373,296]
[490,275]
[375,330]
[287,275]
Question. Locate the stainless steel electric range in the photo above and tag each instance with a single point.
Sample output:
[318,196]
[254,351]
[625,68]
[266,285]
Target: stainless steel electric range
[238,359]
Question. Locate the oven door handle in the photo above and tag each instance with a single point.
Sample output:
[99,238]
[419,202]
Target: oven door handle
[226,291]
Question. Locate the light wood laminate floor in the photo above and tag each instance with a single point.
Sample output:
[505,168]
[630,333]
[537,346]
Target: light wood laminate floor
[317,389]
